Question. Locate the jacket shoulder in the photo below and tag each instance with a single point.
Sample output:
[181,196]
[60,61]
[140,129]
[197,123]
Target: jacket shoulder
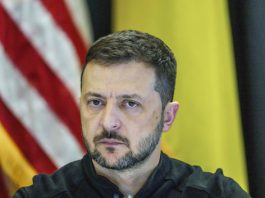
[192,181]
[64,180]
[212,184]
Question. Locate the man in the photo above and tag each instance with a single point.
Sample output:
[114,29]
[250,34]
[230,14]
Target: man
[127,87]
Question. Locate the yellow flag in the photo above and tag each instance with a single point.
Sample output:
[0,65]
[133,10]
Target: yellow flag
[14,165]
[207,130]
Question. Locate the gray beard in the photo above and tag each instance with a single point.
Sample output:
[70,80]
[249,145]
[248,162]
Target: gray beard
[130,160]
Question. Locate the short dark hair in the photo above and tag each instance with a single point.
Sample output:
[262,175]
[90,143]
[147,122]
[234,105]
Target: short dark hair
[132,45]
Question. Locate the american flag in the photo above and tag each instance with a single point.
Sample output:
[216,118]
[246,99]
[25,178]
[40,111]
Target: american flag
[42,48]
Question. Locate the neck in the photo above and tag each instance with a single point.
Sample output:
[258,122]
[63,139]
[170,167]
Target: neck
[132,180]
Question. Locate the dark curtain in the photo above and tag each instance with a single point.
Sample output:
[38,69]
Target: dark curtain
[100,12]
[248,25]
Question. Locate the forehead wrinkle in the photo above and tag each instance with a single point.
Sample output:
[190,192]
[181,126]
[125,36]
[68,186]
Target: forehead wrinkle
[94,94]
[122,96]
[130,96]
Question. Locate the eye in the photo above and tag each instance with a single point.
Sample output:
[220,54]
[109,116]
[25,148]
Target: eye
[130,104]
[95,103]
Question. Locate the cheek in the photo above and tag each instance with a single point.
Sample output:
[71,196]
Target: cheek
[90,126]
[157,117]
[151,120]
[143,127]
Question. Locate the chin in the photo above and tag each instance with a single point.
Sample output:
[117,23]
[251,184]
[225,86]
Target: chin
[113,155]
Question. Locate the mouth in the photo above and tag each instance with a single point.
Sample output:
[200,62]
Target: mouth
[110,142]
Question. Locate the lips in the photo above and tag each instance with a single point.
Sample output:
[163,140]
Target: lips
[110,142]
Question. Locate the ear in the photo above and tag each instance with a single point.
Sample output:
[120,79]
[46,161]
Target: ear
[170,114]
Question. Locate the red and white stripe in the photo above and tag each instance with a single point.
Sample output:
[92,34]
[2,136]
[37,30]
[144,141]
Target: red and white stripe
[48,39]
[42,48]
[38,118]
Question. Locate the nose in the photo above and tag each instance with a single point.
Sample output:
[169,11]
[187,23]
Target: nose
[110,118]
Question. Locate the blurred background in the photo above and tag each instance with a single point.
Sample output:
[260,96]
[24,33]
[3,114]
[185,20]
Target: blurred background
[219,46]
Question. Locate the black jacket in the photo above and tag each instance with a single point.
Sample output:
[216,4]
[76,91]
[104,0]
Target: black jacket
[171,178]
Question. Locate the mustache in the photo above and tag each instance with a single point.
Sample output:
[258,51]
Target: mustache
[110,135]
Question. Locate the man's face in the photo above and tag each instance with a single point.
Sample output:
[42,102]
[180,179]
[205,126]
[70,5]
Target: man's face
[121,114]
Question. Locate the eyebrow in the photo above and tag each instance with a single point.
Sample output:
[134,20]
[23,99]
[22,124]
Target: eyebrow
[131,96]
[124,96]
[94,95]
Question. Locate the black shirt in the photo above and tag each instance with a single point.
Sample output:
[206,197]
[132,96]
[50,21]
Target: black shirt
[171,178]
